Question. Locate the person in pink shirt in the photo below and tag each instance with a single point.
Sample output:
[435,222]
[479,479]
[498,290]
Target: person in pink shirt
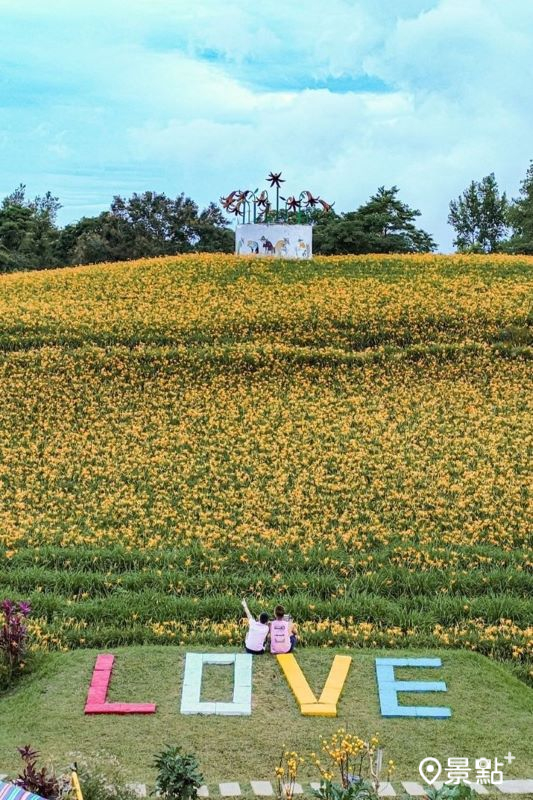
[282,632]
[257,632]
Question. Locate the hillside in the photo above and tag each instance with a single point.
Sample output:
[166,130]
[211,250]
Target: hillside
[348,435]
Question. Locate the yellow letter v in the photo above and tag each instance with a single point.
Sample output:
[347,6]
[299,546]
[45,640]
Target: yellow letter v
[326,706]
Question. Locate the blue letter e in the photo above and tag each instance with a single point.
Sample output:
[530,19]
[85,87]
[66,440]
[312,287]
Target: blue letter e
[389,687]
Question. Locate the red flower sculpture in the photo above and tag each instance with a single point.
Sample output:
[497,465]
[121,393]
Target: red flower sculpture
[292,203]
[311,201]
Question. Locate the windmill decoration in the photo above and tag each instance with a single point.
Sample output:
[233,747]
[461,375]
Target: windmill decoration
[275,179]
[254,206]
[265,228]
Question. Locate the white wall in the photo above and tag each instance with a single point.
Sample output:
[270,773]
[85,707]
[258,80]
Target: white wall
[282,241]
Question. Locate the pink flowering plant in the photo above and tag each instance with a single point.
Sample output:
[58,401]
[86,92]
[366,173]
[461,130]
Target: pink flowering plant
[14,640]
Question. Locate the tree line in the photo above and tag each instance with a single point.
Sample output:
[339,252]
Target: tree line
[147,224]
[484,221]
[152,224]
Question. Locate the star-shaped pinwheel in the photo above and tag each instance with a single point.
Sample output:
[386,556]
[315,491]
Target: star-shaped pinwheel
[236,207]
[311,201]
[275,179]
[262,200]
[227,202]
[326,206]
[292,203]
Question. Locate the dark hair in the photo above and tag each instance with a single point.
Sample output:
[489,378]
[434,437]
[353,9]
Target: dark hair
[279,611]
[263,617]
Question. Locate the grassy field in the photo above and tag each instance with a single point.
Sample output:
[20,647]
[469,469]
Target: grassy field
[351,436]
[46,710]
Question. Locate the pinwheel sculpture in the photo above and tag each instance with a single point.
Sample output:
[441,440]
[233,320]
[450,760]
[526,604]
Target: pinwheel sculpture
[255,206]
[291,203]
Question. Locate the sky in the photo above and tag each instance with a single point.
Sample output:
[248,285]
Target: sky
[106,97]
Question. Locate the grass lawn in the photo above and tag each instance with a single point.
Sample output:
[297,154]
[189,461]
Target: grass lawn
[492,713]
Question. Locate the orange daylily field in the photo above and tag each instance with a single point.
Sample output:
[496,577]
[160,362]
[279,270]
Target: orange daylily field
[350,436]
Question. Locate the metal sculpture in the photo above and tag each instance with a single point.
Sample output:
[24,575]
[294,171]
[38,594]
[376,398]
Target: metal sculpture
[255,206]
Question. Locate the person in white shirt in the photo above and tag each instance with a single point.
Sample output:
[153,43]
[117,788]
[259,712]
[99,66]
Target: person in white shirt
[257,632]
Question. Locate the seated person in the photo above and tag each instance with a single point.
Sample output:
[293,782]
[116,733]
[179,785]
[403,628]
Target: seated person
[282,632]
[257,632]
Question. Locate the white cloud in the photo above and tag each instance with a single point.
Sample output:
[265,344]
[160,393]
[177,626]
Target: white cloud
[193,97]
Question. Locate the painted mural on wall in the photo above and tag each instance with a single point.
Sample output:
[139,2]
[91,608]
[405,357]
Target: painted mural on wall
[279,241]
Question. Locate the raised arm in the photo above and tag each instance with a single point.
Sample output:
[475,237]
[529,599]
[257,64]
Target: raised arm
[247,610]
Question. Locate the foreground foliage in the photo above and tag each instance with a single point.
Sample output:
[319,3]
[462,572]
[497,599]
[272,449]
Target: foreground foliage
[14,640]
[350,435]
[42,780]
[178,776]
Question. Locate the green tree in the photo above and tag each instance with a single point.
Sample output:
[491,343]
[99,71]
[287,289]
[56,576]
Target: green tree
[28,231]
[154,224]
[73,235]
[106,237]
[479,216]
[382,225]
[148,224]
[16,232]
[45,231]
[211,232]
[520,217]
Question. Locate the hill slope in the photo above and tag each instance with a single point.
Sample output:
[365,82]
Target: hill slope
[347,435]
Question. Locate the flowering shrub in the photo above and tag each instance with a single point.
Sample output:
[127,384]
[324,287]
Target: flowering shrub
[352,769]
[14,639]
[358,764]
[286,774]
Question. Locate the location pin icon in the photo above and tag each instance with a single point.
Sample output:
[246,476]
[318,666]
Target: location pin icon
[430,769]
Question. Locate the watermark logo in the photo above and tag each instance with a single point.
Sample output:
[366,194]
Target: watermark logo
[430,768]
[458,770]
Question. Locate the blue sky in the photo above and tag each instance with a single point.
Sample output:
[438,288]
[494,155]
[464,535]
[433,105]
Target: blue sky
[104,97]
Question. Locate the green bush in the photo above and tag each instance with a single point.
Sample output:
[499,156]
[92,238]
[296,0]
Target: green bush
[178,777]
[446,792]
[356,790]
[95,786]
